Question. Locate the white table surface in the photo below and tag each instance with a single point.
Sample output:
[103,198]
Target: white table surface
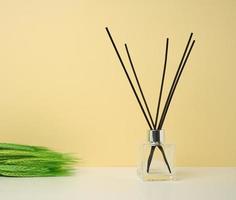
[122,184]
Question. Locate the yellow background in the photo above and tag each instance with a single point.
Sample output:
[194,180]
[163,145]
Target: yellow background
[61,84]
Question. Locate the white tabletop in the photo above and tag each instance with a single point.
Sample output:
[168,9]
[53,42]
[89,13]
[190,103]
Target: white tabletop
[122,184]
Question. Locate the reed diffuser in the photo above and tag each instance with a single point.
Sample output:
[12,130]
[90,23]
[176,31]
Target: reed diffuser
[155,165]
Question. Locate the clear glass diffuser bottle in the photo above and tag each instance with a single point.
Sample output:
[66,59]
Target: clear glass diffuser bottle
[157,158]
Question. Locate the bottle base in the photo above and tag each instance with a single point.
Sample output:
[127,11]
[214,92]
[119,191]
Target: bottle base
[154,176]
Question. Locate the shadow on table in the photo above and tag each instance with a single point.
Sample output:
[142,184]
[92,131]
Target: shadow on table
[186,175]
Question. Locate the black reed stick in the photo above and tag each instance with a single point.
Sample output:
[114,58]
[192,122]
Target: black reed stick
[138,83]
[172,93]
[136,77]
[128,77]
[176,76]
[162,83]
[157,113]
[175,82]
[164,156]
[151,156]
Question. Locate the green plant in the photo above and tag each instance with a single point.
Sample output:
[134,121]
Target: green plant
[33,161]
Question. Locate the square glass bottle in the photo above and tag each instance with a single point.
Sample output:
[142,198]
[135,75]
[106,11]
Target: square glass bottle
[157,158]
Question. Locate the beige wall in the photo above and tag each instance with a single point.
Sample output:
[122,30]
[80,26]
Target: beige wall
[61,84]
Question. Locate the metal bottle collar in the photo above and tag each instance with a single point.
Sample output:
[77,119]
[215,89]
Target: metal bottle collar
[156,137]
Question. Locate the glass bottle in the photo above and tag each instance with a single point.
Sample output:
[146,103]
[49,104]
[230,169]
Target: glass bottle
[157,158]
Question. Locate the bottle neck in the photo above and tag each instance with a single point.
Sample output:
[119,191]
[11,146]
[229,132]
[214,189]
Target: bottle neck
[156,137]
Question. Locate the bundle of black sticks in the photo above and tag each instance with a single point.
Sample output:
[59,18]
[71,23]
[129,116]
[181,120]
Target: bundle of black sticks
[151,123]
